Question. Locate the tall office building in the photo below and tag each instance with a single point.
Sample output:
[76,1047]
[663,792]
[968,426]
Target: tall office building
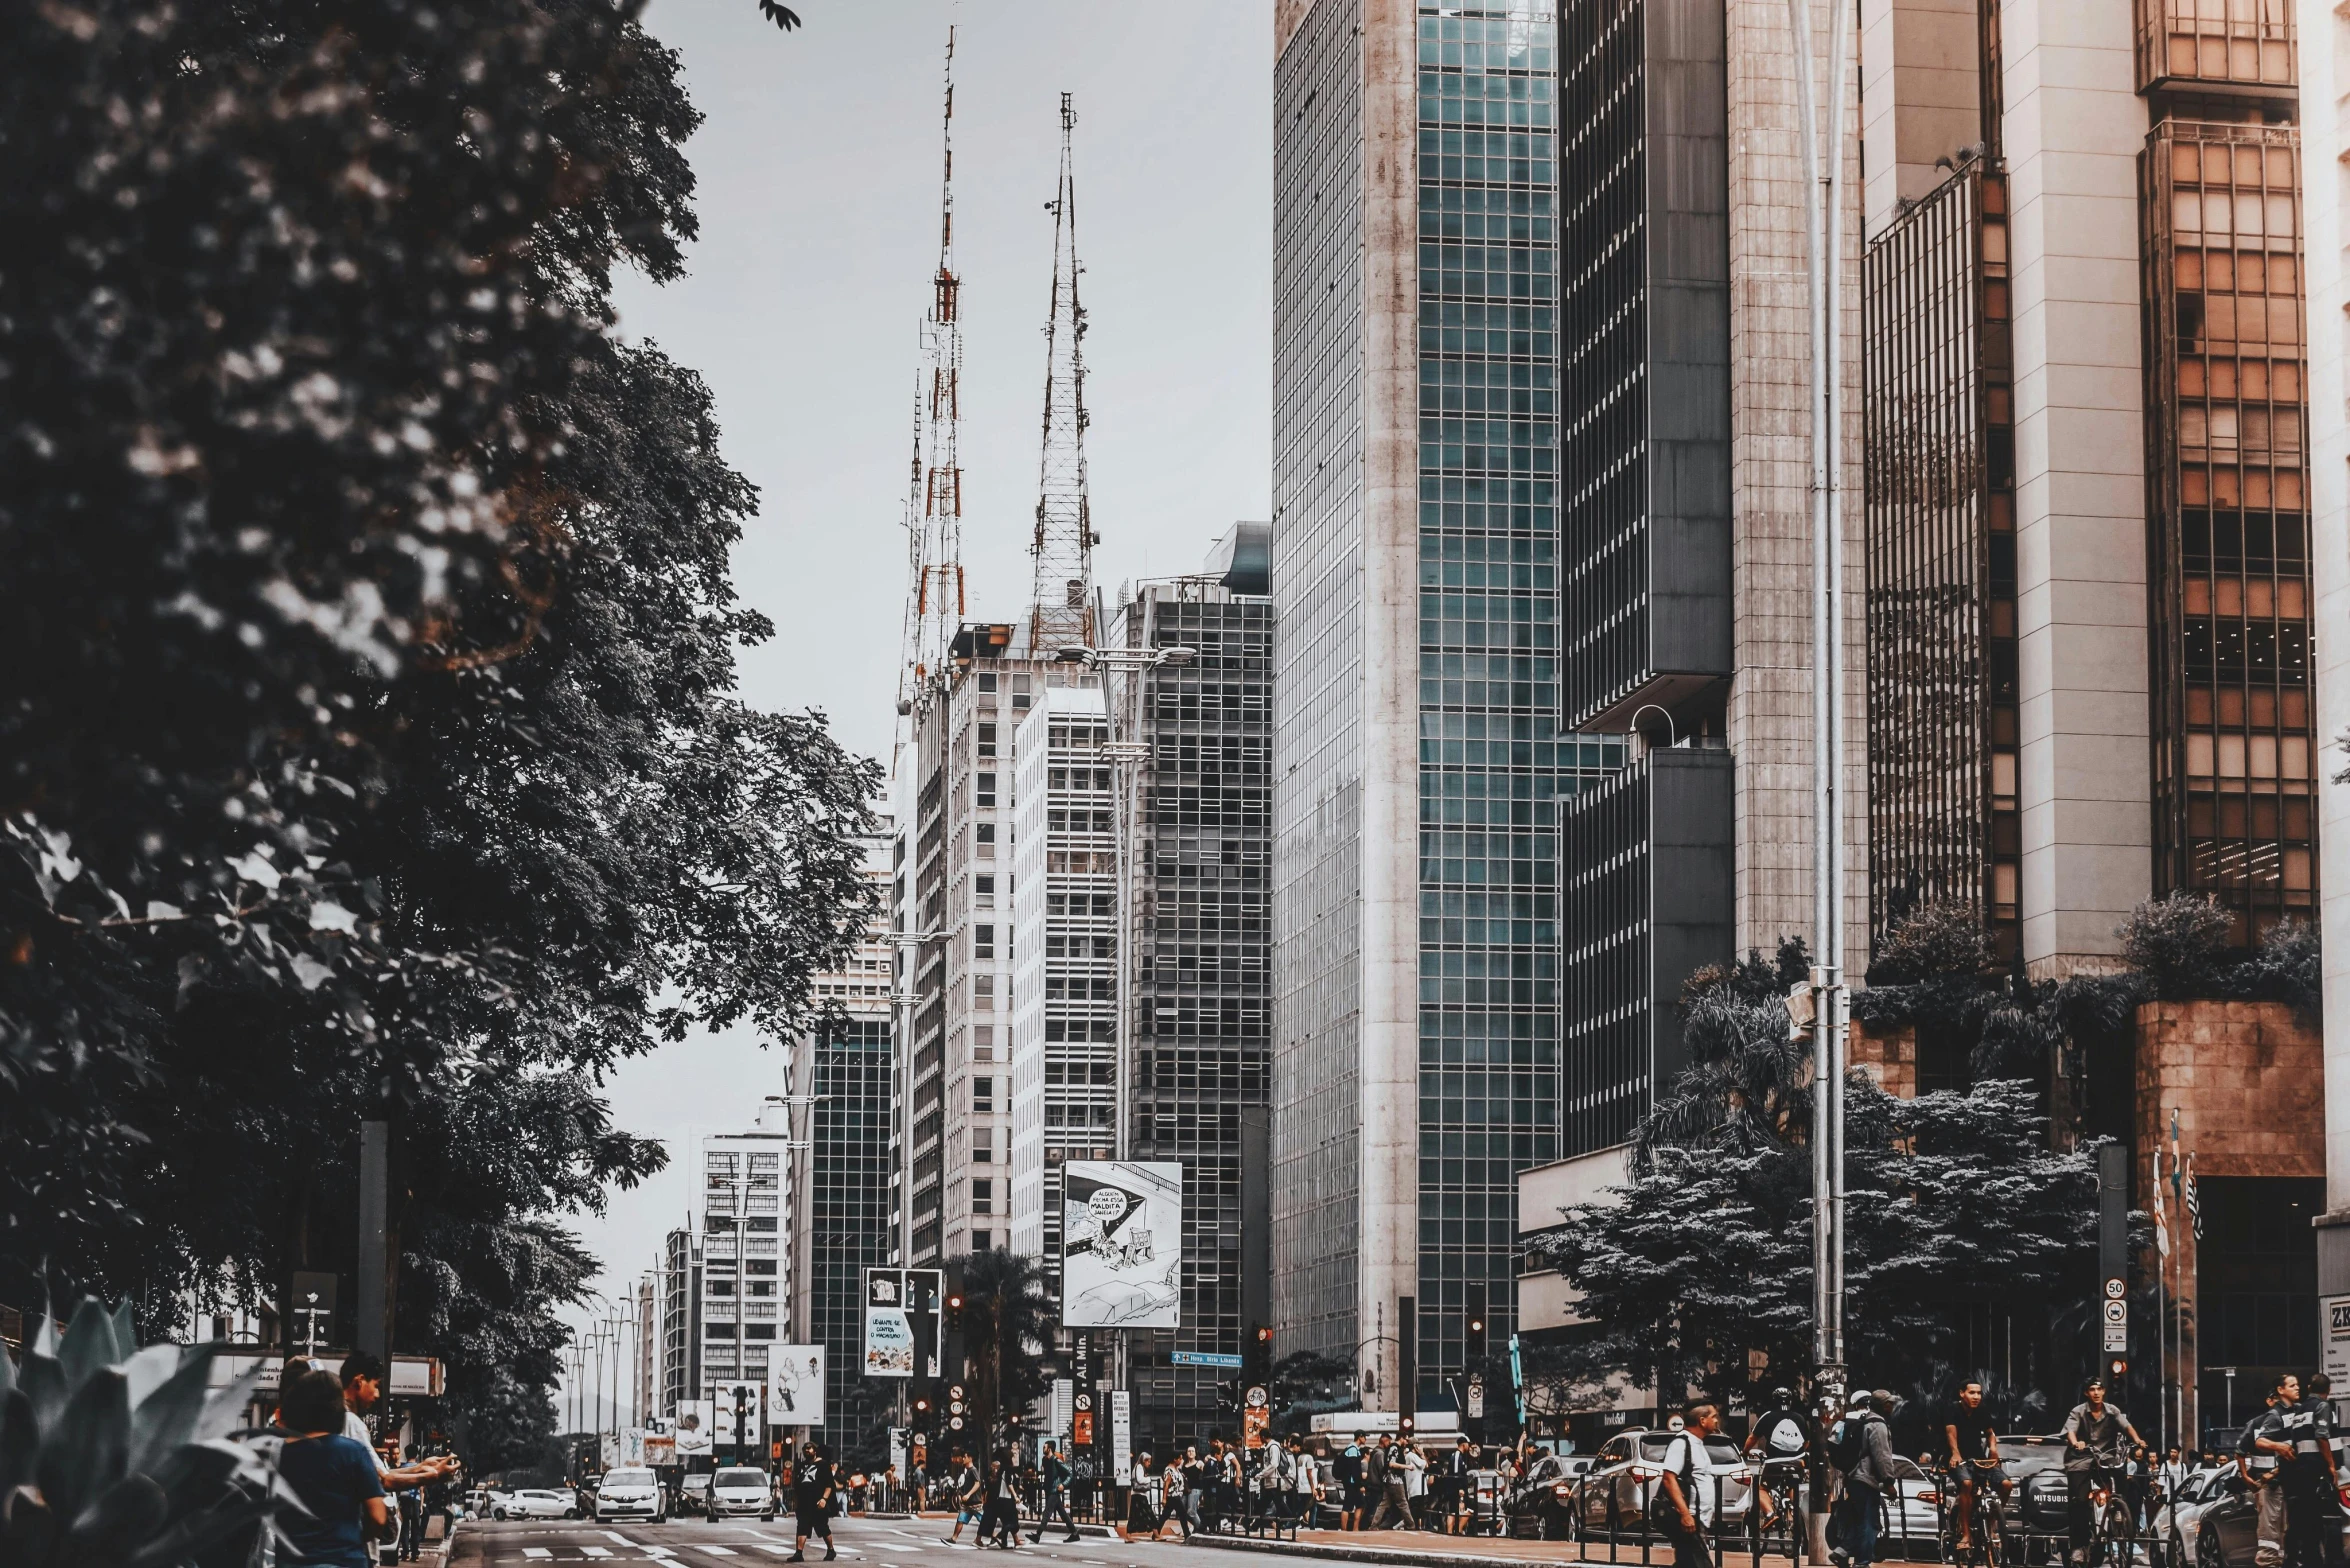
[956,869]
[1062,1091]
[743,1261]
[1415,577]
[681,1319]
[2089,481]
[837,1188]
[1199,949]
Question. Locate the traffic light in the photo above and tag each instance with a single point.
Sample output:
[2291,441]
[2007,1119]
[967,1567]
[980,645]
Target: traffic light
[1257,1353]
[1473,1326]
[2116,1369]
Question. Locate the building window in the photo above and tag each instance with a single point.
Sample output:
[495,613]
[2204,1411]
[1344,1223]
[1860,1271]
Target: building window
[983,789]
[984,889]
[983,941]
[983,1096]
[987,740]
[982,1202]
[987,683]
[986,839]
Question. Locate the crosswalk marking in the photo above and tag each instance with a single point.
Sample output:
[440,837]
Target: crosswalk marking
[536,1551]
[597,1551]
[617,1539]
[714,1551]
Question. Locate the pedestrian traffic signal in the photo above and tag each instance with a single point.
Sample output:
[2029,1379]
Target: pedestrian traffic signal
[2115,1370]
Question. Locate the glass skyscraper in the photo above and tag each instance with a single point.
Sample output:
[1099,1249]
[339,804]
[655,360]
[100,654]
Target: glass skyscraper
[1416,438]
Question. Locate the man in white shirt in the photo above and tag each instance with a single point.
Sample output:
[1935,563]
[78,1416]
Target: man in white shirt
[363,1378]
[1688,1486]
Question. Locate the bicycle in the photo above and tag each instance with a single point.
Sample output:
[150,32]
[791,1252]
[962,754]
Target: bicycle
[1971,1495]
[2113,1522]
[1782,1481]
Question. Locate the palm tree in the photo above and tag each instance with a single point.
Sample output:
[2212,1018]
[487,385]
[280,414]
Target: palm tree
[1008,1321]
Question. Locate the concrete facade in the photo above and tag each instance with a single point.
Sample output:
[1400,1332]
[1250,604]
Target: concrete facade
[1921,97]
[1770,711]
[2073,128]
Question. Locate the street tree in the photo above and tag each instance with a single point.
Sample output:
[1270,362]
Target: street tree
[1008,1321]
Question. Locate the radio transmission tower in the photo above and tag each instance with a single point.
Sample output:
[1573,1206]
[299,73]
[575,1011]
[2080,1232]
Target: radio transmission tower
[934,503]
[1062,608]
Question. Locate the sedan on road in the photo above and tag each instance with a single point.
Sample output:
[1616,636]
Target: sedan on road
[630,1494]
[530,1503]
[1627,1473]
[739,1490]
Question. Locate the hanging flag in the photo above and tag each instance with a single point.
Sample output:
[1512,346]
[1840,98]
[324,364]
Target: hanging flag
[2193,1200]
[2161,1214]
[2175,1191]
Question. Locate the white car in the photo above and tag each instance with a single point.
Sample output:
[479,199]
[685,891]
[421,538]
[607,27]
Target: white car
[739,1490]
[630,1494]
[530,1503]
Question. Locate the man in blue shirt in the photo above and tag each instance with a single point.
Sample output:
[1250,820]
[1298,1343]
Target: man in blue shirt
[334,1476]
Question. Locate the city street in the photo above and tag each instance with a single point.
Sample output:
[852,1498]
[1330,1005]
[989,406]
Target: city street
[899,1543]
[893,1543]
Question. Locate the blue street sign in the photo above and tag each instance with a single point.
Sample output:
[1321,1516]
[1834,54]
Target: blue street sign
[1204,1358]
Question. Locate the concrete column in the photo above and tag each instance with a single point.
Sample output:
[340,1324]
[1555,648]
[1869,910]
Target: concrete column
[1770,713]
[1921,97]
[2325,139]
[2075,126]
[1390,1078]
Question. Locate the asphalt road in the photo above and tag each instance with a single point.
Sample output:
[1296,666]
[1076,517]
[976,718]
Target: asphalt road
[751,1543]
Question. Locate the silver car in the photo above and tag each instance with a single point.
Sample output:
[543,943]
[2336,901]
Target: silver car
[630,1494]
[1627,1477]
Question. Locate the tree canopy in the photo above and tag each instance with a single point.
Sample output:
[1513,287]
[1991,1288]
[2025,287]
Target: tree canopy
[368,736]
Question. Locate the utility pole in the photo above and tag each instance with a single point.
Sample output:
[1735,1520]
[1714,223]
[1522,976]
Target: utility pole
[1823,207]
[372,1330]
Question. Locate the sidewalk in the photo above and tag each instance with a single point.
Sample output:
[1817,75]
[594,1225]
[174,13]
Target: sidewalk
[1423,1549]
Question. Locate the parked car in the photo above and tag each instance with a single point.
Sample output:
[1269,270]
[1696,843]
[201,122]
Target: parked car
[630,1494]
[1626,1474]
[2224,1528]
[1544,1499]
[693,1494]
[2036,1502]
[739,1490]
[2196,1493]
[534,1503]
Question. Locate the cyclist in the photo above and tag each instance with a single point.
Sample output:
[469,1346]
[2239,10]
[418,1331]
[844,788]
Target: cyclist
[1778,1443]
[2099,1441]
[1974,1458]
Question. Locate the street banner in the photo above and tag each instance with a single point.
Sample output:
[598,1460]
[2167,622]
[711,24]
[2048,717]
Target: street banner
[632,1445]
[899,1454]
[1121,1243]
[1121,1437]
[660,1441]
[795,1385]
[608,1448]
[695,1429]
[889,1329]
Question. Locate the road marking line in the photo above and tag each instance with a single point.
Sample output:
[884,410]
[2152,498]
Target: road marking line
[597,1551]
[536,1551]
[714,1551]
[617,1539]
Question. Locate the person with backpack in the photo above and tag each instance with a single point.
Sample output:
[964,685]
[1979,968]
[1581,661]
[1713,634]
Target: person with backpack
[1385,1479]
[1778,1445]
[1862,1453]
[1347,1471]
[1056,1494]
[1689,1486]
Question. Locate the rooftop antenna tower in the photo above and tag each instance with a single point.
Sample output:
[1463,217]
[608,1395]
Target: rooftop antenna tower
[934,503]
[1061,613]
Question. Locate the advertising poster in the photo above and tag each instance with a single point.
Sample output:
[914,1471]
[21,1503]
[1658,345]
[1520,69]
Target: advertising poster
[660,1441]
[795,1386]
[2334,1343]
[1121,1243]
[1121,1437]
[889,1330]
[693,1430]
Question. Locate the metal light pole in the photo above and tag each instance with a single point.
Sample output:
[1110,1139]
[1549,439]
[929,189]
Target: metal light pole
[1823,186]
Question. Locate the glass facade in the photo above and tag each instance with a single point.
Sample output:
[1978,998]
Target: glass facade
[844,1213]
[2235,747]
[1491,760]
[1939,464]
[1201,974]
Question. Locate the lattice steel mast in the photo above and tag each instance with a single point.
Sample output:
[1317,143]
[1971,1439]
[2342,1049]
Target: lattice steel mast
[934,505]
[1061,613]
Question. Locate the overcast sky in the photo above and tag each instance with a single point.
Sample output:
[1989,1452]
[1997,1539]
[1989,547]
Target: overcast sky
[819,186]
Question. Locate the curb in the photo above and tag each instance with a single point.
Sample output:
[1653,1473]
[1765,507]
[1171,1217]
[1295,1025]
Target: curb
[1359,1554]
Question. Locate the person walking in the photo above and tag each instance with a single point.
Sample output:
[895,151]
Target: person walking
[1001,1517]
[1174,1498]
[967,1489]
[1347,1471]
[812,1486]
[1863,1452]
[2098,1441]
[1054,1471]
[1415,1481]
[335,1476]
[2260,1456]
[1690,1492]
[1383,1470]
[1454,1483]
[2308,1475]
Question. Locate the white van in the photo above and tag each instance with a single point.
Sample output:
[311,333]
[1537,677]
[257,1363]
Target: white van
[738,1490]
